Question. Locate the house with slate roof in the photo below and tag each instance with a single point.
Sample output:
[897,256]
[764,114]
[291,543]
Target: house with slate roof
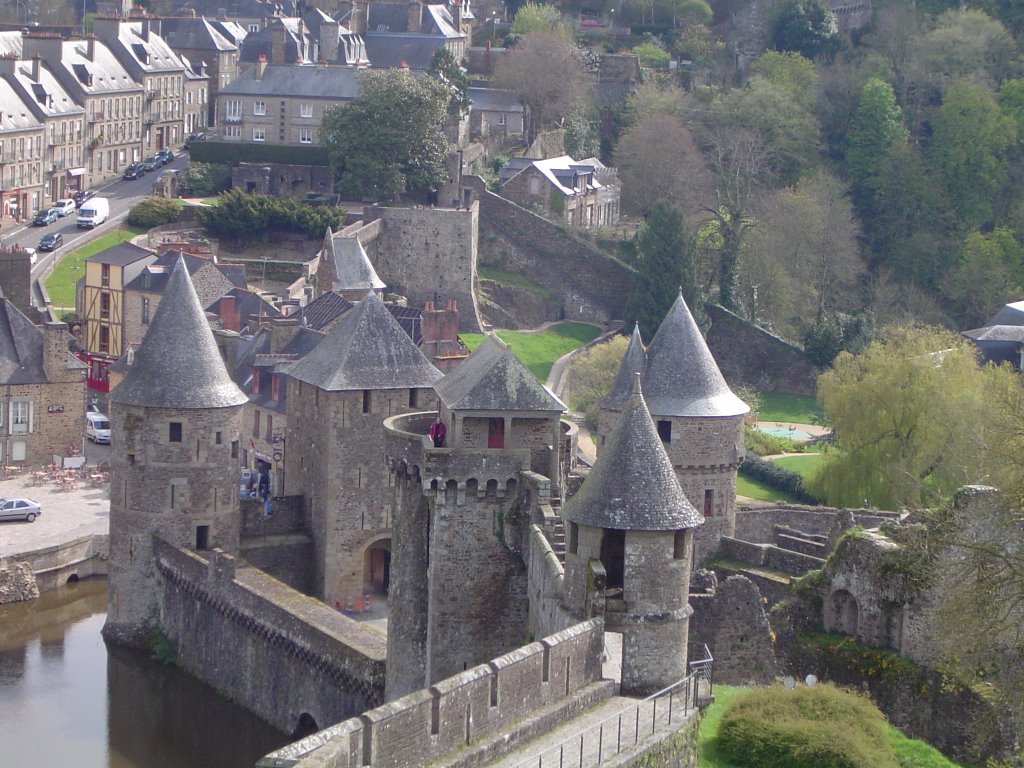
[407,33]
[101,306]
[22,138]
[366,369]
[201,41]
[313,38]
[1001,339]
[58,157]
[42,405]
[495,115]
[582,194]
[697,418]
[282,103]
[141,50]
[110,96]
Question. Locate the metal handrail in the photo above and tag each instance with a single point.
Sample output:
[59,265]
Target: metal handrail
[573,751]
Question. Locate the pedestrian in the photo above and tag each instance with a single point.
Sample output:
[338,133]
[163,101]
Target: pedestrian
[437,432]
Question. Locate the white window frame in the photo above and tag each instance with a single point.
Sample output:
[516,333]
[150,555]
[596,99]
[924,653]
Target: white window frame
[259,134]
[305,109]
[305,135]
[232,132]
[259,108]
[232,108]
[21,417]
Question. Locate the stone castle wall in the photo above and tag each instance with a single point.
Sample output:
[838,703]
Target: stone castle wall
[426,254]
[750,356]
[758,524]
[592,285]
[292,654]
[545,587]
[465,709]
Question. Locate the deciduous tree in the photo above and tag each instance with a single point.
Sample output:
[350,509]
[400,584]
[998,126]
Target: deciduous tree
[388,141]
[910,416]
[543,72]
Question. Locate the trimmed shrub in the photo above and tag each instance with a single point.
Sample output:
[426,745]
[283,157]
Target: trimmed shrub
[804,727]
[247,217]
[153,211]
[236,152]
[780,478]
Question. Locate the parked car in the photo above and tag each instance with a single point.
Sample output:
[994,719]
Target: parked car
[19,509]
[97,427]
[151,163]
[82,195]
[43,218]
[133,171]
[165,156]
[51,241]
[194,138]
[65,207]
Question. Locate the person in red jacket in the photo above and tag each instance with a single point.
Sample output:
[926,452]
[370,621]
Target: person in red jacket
[437,432]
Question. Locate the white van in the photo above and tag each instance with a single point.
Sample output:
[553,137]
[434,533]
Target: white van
[93,213]
[97,427]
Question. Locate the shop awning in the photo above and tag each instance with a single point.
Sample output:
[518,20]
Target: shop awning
[76,171]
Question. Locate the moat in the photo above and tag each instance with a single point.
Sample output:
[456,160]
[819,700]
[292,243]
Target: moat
[66,699]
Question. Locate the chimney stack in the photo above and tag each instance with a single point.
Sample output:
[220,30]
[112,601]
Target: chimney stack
[261,66]
[329,36]
[277,35]
[55,351]
[360,17]
[90,49]
[36,63]
[229,317]
[415,16]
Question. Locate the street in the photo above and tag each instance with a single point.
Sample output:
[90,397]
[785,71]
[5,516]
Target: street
[121,194]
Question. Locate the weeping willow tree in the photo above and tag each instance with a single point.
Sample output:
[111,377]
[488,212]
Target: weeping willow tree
[913,420]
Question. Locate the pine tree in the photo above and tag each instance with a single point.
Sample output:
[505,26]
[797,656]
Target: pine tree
[665,262]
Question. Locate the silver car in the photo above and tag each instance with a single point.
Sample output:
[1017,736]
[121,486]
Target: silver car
[19,509]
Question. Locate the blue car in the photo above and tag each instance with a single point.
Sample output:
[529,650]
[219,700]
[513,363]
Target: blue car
[43,218]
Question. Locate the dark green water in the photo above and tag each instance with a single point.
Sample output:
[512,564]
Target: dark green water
[68,702]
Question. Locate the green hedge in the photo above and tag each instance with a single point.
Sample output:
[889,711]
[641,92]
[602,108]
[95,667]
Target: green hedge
[771,474]
[233,153]
[819,727]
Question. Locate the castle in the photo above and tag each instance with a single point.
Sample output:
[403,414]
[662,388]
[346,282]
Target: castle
[482,543]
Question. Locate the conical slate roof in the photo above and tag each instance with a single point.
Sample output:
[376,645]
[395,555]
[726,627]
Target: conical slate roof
[682,378]
[633,362]
[178,364]
[350,267]
[367,350]
[494,379]
[632,486]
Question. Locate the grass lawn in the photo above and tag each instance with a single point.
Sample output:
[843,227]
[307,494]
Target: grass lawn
[60,285]
[805,465]
[783,406]
[910,753]
[538,351]
[753,489]
[504,277]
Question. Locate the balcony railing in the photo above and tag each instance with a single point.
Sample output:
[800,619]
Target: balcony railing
[232,118]
[95,117]
[151,95]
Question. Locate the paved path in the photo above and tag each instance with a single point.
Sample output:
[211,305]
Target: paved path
[67,515]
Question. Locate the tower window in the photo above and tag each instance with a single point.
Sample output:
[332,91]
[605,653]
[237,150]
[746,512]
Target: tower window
[665,430]
[366,401]
[174,432]
[202,537]
[679,548]
[574,538]
[709,502]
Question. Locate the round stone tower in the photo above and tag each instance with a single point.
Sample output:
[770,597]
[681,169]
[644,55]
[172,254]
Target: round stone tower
[175,421]
[628,553]
[697,418]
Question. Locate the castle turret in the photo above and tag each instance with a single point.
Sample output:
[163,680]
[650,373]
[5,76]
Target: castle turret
[365,370]
[698,419]
[175,421]
[610,408]
[346,269]
[629,549]
[461,513]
